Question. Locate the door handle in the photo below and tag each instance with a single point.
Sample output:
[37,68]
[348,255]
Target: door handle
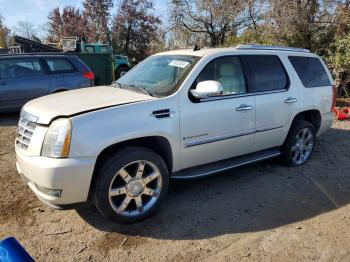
[244,107]
[290,100]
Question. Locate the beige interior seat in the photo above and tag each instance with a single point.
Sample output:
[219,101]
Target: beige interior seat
[231,79]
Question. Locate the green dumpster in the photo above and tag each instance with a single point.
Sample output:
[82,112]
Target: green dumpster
[101,65]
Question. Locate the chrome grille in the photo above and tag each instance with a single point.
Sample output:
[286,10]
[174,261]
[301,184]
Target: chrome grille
[25,130]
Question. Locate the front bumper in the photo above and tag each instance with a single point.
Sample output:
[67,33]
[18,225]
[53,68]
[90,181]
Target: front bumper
[71,176]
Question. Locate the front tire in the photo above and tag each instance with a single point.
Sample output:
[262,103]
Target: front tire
[121,70]
[299,144]
[130,185]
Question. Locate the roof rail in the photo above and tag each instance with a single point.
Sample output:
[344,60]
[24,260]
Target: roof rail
[273,47]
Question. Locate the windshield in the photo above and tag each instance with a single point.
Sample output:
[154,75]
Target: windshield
[158,75]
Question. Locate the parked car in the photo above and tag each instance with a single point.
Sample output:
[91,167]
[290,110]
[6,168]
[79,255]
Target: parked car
[180,114]
[24,77]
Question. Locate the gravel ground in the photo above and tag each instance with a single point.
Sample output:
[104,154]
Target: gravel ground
[263,212]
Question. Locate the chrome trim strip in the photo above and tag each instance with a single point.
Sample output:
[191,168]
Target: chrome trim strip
[268,129]
[24,116]
[241,95]
[230,136]
[228,167]
[218,138]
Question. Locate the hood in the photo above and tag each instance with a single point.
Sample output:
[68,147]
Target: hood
[79,101]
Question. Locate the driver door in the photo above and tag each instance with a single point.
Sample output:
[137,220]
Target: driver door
[219,127]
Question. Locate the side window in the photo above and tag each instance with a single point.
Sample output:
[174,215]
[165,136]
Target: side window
[90,49]
[228,71]
[13,68]
[103,49]
[59,65]
[310,71]
[266,73]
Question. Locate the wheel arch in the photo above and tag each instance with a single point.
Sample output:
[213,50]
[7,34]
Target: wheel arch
[58,90]
[121,66]
[311,115]
[158,144]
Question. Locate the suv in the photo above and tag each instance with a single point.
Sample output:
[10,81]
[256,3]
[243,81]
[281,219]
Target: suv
[24,77]
[180,114]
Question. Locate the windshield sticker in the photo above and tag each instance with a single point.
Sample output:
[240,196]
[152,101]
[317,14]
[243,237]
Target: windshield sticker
[179,63]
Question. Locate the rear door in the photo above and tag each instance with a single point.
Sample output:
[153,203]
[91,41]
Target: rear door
[21,79]
[276,98]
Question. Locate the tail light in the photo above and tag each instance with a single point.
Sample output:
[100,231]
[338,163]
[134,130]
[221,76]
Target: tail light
[334,99]
[89,75]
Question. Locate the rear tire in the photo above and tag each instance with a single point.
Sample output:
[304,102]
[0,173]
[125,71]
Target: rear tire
[130,185]
[299,144]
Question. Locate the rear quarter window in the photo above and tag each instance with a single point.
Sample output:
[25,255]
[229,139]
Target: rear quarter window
[310,71]
[59,65]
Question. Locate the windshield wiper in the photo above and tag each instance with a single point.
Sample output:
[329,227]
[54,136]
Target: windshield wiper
[136,88]
[116,84]
[143,90]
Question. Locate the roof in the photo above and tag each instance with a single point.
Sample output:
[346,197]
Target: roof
[240,48]
[52,54]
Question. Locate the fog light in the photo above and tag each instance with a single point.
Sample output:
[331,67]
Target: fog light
[49,192]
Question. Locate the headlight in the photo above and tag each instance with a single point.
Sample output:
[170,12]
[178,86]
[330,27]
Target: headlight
[57,139]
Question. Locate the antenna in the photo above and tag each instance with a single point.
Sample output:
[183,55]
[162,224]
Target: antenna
[196,48]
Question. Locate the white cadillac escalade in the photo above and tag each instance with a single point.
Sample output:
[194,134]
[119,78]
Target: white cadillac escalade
[180,114]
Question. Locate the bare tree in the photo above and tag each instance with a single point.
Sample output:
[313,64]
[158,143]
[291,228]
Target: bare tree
[135,28]
[25,29]
[4,34]
[216,19]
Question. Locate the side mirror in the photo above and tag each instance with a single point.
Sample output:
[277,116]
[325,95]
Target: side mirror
[207,89]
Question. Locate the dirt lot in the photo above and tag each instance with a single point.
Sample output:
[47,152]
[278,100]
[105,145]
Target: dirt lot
[264,212]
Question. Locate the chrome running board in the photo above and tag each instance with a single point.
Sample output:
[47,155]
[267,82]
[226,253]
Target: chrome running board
[224,165]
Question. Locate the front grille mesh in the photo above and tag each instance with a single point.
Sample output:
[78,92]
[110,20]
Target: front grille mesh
[25,132]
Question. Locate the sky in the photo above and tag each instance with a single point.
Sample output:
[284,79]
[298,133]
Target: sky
[36,11]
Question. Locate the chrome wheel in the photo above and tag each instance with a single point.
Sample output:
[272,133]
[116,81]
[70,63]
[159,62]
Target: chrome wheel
[135,188]
[302,146]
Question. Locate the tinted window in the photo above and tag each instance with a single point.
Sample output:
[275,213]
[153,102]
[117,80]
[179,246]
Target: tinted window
[266,73]
[310,71]
[226,70]
[59,65]
[13,68]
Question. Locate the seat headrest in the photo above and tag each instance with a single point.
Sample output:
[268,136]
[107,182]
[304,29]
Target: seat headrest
[226,69]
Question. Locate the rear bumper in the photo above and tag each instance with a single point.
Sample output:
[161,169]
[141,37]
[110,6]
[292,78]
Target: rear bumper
[70,177]
[326,122]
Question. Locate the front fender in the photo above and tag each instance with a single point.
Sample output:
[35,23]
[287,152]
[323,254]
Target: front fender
[93,132]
